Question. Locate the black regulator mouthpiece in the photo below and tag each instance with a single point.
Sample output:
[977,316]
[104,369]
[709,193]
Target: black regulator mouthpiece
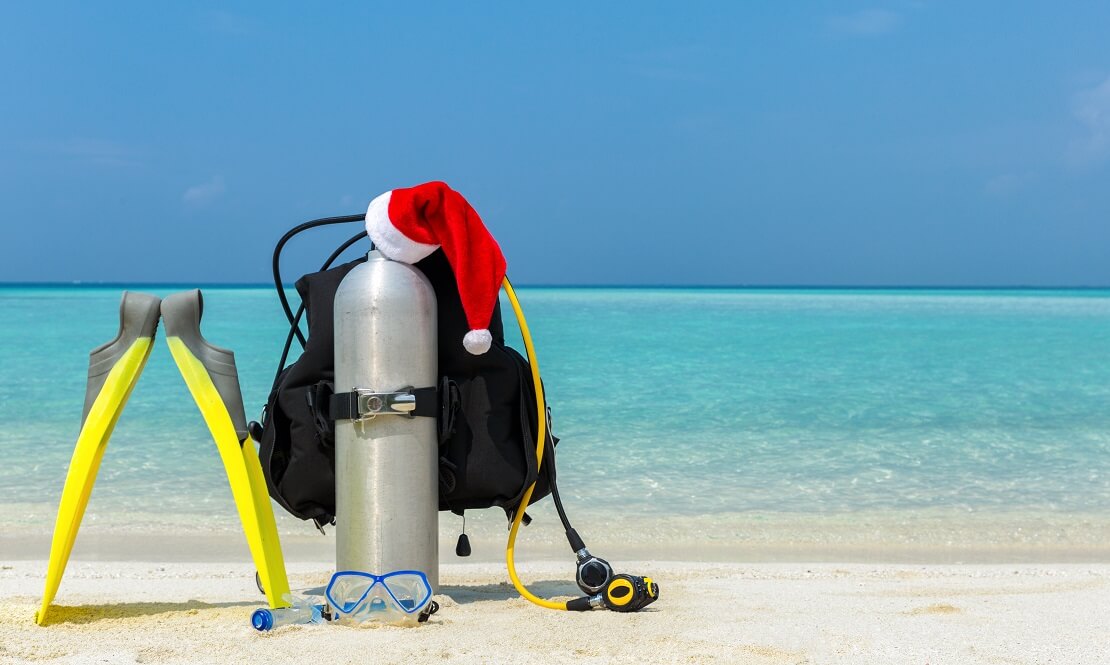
[623,593]
[603,588]
[593,572]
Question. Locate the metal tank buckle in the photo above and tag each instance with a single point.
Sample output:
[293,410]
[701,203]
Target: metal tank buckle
[363,404]
[373,404]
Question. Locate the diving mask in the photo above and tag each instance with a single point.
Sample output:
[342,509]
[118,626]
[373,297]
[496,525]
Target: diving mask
[399,597]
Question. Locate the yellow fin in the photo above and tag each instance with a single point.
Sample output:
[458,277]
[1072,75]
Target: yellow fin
[85,463]
[244,473]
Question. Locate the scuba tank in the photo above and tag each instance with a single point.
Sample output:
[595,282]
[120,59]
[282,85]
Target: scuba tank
[486,419]
[385,454]
[494,441]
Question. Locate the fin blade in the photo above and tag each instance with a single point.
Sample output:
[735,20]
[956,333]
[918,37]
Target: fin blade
[85,463]
[275,584]
[244,473]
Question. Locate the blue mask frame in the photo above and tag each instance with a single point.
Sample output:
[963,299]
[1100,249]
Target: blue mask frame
[347,607]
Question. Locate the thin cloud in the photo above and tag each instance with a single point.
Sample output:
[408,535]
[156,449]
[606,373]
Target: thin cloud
[683,63]
[95,152]
[866,23]
[205,192]
[1006,184]
[1091,107]
[228,23]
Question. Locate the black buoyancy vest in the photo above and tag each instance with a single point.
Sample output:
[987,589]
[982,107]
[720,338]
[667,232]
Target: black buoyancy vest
[487,422]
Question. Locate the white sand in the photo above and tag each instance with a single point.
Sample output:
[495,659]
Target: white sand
[128,612]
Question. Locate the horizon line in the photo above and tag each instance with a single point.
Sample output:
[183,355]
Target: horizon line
[768,287]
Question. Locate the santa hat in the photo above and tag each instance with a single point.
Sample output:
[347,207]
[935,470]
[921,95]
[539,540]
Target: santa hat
[407,225]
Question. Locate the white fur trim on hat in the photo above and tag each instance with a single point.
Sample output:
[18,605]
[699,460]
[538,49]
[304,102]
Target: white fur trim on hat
[390,241]
[478,342]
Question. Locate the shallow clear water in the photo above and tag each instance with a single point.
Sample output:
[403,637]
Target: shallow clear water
[669,402]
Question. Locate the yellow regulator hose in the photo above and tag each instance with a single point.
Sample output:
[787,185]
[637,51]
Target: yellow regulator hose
[541,436]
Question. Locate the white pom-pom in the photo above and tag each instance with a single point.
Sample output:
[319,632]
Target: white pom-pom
[388,239]
[478,341]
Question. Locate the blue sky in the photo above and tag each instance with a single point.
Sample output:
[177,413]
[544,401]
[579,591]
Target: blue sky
[913,143]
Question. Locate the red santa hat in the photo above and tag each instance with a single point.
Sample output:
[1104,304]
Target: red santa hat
[408,224]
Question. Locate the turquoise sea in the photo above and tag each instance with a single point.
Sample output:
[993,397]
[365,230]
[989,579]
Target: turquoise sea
[718,418]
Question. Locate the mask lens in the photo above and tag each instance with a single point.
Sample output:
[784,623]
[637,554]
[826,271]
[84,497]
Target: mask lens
[409,589]
[346,591]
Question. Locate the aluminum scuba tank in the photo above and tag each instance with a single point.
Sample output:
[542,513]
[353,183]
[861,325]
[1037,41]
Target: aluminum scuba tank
[386,465]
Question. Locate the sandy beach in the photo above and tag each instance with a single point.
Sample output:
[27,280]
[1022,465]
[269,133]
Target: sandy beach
[801,310]
[139,612]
